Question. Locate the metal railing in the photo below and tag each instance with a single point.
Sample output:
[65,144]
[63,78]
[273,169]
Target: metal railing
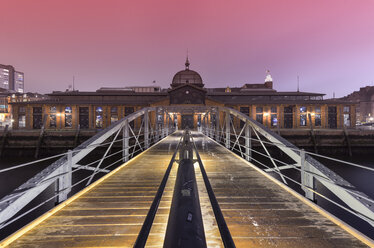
[219,123]
[222,125]
[119,142]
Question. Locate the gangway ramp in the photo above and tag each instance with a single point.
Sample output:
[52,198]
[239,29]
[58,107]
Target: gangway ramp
[258,211]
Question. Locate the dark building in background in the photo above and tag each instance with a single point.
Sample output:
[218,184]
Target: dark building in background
[10,79]
[364,98]
[97,110]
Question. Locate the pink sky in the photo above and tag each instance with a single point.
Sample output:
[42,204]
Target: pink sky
[328,43]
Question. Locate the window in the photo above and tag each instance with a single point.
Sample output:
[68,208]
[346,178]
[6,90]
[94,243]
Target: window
[273,116]
[113,115]
[99,117]
[22,121]
[347,120]
[259,118]
[37,117]
[259,115]
[317,117]
[274,120]
[84,117]
[347,116]
[68,117]
[52,117]
[288,116]
[52,120]
[303,119]
[332,117]
[22,109]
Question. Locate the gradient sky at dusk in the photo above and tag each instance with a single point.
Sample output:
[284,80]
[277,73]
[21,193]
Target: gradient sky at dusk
[328,43]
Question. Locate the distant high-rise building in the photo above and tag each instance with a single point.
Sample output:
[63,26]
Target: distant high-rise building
[10,79]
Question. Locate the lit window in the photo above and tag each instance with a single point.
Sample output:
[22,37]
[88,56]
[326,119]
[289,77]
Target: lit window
[68,110]
[274,120]
[303,118]
[22,121]
[68,117]
[99,117]
[317,119]
[347,120]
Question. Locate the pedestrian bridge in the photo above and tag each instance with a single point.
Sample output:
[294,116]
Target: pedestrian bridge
[257,209]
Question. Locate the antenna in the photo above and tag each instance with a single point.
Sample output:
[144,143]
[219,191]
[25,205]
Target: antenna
[333,95]
[298,84]
[73,83]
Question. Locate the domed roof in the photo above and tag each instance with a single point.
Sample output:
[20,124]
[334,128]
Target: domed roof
[187,76]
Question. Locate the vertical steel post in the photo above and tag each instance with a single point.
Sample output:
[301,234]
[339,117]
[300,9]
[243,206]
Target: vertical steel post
[306,177]
[167,123]
[146,129]
[156,126]
[211,125]
[163,124]
[217,124]
[248,141]
[228,121]
[64,181]
[125,142]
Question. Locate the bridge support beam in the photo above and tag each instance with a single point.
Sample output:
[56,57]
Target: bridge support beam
[146,129]
[125,142]
[248,141]
[63,184]
[167,123]
[157,132]
[306,177]
[217,125]
[163,124]
[228,121]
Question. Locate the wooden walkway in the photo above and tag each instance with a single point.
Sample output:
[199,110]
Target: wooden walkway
[258,212]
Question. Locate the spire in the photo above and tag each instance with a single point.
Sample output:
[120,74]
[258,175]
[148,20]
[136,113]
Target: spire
[187,64]
[268,77]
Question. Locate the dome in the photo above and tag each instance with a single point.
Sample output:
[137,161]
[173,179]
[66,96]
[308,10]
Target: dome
[187,76]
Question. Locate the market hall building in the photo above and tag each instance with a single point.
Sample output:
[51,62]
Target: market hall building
[97,110]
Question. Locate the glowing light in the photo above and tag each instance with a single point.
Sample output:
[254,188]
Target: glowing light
[266,114]
[268,77]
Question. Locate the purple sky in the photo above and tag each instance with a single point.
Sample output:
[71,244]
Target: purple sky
[328,43]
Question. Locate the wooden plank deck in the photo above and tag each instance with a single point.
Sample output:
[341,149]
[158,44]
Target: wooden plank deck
[258,212]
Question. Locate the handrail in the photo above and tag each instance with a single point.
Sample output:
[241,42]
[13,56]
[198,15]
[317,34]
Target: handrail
[67,164]
[146,227]
[223,229]
[224,131]
[308,152]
